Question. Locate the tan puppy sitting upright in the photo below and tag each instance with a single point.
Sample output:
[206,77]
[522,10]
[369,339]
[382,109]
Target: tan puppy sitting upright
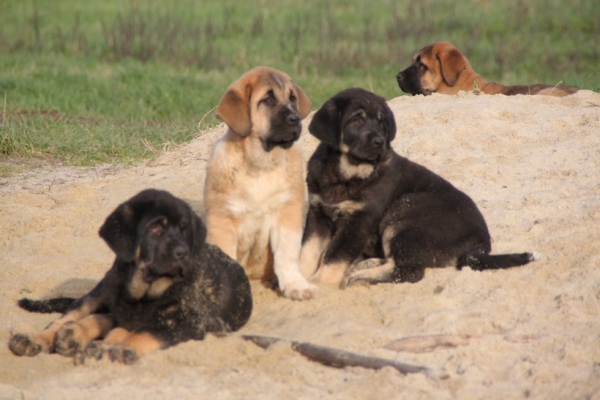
[442,68]
[254,192]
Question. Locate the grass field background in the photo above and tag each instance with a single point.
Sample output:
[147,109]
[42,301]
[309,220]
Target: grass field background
[113,81]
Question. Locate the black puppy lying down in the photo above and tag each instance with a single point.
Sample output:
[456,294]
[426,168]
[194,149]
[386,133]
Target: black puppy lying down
[376,216]
[166,286]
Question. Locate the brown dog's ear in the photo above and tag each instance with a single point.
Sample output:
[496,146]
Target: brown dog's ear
[452,64]
[304,104]
[234,108]
[326,123]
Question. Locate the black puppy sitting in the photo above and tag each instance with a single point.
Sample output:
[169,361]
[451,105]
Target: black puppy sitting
[166,286]
[376,216]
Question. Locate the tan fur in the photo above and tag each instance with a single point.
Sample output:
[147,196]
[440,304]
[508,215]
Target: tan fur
[123,346]
[370,269]
[349,171]
[82,332]
[46,339]
[116,336]
[449,71]
[331,274]
[254,199]
[312,252]
[143,343]
[139,288]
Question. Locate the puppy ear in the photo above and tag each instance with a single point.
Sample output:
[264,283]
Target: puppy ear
[119,231]
[304,104]
[198,232]
[452,64]
[390,121]
[325,124]
[234,108]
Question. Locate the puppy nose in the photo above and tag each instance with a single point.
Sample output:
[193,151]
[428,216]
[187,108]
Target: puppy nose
[377,141]
[293,119]
[180,252]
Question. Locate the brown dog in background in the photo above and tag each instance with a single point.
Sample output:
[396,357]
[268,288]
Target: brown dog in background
[442,68]
[254,193]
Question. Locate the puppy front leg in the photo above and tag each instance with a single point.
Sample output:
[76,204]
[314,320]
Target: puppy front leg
[286,246]
[286,242]
[314,242]
[75,335]
[22,344]
[222,232]
[136,345]
[345,247]
[123,346]
[33,344]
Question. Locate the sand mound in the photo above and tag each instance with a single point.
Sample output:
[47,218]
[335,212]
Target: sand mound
[531,163]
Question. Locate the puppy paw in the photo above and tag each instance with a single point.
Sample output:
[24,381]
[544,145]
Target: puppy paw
[97,350]
[24,345]
[69,339]
[123,354]
[93,351]
[300,291]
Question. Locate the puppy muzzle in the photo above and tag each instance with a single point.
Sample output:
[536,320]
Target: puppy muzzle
[371,148]
[285,130]
[172,259]
[409,81]
[400,78]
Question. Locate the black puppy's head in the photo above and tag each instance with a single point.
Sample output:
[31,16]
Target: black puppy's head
[159,233]
[357,123]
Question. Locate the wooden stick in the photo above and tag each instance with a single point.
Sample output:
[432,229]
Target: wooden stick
[425,343]
[421,344]
[341,359]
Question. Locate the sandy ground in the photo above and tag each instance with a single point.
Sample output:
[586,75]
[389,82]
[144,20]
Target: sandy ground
[532,164]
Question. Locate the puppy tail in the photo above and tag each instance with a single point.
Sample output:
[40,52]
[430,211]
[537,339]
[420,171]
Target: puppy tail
[59,304]
[480,261]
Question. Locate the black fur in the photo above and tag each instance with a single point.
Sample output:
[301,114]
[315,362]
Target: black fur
[60,304]
[210,291]
[409,79]
[408,214]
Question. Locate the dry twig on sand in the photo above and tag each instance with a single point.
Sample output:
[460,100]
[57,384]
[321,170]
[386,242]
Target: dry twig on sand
[340,359]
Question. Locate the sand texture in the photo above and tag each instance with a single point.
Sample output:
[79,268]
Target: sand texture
[531,163]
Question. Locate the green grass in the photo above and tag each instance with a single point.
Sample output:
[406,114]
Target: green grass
[95,82]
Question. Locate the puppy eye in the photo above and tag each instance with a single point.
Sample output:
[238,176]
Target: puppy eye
[156,228]
[270,100]
[293,97]
[183,226]
[422,66]
[357,119]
